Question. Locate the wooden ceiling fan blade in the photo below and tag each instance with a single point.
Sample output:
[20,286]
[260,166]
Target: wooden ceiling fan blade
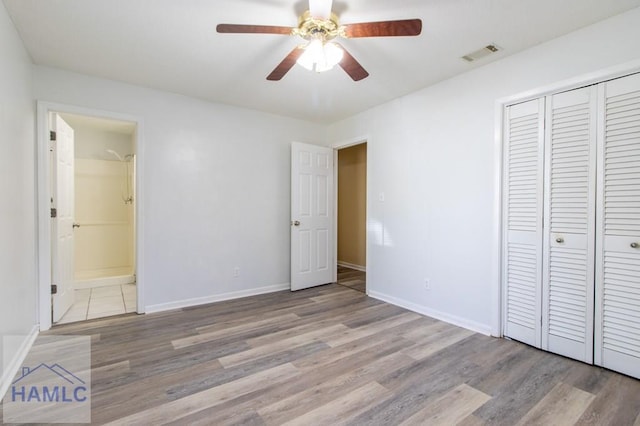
[287,63]
[253,29]
[351,66]
[405,27]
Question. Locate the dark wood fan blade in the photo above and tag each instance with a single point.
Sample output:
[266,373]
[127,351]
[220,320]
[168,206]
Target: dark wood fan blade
[351,66]
[287,63]
[253,29]
[406,27]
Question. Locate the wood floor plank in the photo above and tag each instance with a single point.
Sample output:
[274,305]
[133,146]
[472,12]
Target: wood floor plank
[587,377]
[325,391]
[225,331]
[508,371]
[378,344]
[331,355]
[528,389]
[344,408]
[350,334]
[179,408]
[229,318]
[563,405]
[437,343]
[618,403]
[420,383]
[212,417]
[230,412]
[449,366]
[338,295]
[489,351]
[188,386]
[341,303]
[423,334]
[373,314]
[106,372]
[449,409]
[281,345]
[132,392]
[471,420]
[305,326]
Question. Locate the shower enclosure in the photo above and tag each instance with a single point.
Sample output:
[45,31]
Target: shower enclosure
[104,211]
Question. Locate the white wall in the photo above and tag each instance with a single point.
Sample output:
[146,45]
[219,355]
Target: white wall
[216,186]
[432,154]
[17,188]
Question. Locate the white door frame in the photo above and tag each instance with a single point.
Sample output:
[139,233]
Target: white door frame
[497,302]
[336,147]
[44,195]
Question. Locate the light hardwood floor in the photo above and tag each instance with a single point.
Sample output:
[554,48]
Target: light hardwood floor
[331,355]
[352,278]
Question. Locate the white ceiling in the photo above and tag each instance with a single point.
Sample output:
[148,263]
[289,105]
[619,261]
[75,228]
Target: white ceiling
[172,45]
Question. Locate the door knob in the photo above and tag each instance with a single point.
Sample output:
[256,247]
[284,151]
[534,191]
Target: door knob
[295,222]
[559,240]
[635,245]
[76,225]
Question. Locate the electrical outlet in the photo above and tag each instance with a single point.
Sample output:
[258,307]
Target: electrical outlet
[427,284]
[236,271]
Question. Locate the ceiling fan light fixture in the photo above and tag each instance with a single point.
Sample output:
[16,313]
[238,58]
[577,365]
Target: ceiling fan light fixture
[320,56]
[318,27]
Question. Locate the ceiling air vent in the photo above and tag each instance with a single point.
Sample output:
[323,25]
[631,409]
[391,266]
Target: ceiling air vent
[481,53]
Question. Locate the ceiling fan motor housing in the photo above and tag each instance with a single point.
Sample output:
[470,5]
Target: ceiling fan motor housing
[310,28]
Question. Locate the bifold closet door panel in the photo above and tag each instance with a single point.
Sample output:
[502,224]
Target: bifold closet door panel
[522,253]
[569,223]
[617,336]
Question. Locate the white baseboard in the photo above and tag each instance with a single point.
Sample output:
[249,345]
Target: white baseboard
[216,298]
[353,266]
[104,282]
[12,367]
[442,316]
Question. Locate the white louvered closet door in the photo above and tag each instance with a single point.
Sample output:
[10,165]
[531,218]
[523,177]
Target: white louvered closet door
[617,337]
[523,179]
[569,223]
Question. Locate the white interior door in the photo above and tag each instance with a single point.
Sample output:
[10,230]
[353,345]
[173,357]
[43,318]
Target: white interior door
[62,252]
[617,337]
[569,223]
[312,216]
[522,255]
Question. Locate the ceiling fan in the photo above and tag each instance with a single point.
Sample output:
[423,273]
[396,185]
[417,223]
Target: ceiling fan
[319,27]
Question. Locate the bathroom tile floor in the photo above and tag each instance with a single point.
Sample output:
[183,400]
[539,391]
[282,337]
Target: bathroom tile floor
[101,302]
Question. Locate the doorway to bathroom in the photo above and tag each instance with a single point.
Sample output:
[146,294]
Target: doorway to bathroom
[93,175]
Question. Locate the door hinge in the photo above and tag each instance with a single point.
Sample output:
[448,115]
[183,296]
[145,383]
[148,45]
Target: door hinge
[54,212]
[52,135]
[54,289]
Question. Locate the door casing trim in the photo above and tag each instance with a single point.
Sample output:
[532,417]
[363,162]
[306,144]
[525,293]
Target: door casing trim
[43,196]
[337,147]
